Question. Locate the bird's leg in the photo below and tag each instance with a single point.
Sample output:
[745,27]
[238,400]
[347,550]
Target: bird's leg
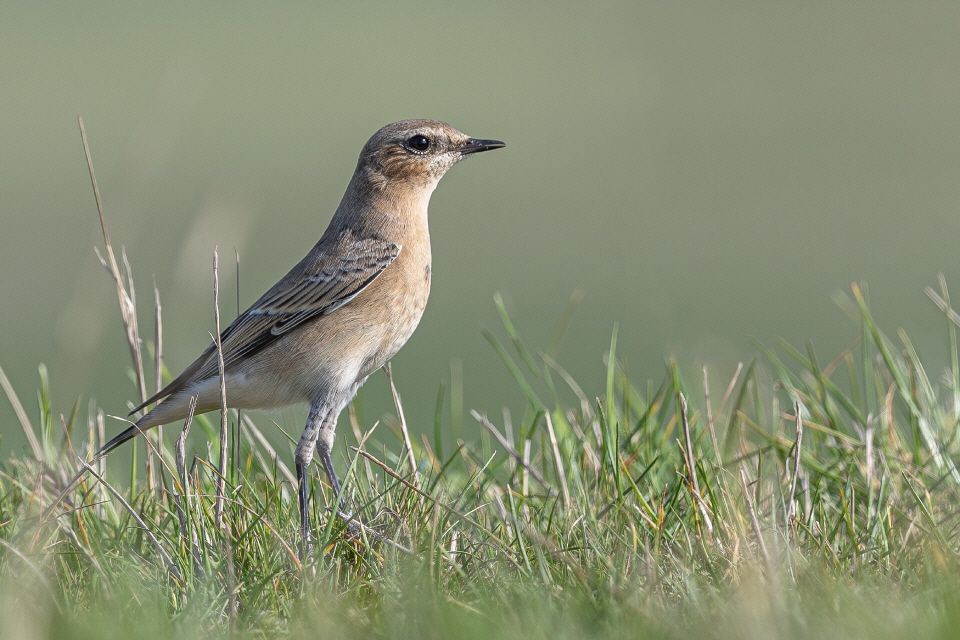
[324,447]
[303,499]
[303,456]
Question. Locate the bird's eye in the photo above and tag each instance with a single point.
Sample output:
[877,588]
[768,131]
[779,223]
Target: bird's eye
[419,143]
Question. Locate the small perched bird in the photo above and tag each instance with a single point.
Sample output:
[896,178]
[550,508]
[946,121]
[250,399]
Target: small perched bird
[343,311]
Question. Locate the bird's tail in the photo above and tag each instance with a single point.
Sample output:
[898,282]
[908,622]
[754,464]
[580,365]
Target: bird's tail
[127,434]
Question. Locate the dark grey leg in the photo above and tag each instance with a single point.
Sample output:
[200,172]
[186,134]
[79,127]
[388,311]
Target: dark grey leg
[303,499]
[304,454]
[324,447]
[325,415]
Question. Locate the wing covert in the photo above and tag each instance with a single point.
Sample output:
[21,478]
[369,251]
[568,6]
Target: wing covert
[318,289]
[320,284]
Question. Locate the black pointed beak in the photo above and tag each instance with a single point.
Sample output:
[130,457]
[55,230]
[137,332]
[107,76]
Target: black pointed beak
[476,146]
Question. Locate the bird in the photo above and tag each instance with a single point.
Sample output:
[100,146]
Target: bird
[340,313]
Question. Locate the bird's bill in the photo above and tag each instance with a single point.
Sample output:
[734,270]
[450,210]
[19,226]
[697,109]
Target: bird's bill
[476,146]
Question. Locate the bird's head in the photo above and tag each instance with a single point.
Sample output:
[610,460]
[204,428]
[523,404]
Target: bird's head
[416,153]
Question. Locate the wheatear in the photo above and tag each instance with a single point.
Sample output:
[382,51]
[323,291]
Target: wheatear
[343,311]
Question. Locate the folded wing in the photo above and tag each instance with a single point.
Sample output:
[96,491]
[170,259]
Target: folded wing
[320,284]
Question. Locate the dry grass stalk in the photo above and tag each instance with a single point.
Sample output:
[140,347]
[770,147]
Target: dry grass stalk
[158,376]
[222,466]
[128,307]
[482,419]
[693,482]
[35,447]
[525,483]
[710,425]
[261,440]
[182,500]
[407,444]
[558,460]
[791,513]
[755,523]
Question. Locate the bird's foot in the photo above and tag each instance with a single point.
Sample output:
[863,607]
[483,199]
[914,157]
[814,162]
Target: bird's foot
[358,531]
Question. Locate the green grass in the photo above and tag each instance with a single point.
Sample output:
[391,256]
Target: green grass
[619,516]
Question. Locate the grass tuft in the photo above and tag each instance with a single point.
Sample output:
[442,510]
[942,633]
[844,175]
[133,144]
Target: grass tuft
[814,500]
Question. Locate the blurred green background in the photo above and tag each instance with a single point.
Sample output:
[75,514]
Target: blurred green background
[705,172]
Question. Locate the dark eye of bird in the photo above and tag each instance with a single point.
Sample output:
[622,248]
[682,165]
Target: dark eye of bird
[419,143]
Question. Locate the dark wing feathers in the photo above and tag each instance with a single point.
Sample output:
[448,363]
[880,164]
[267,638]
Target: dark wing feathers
[319,285]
